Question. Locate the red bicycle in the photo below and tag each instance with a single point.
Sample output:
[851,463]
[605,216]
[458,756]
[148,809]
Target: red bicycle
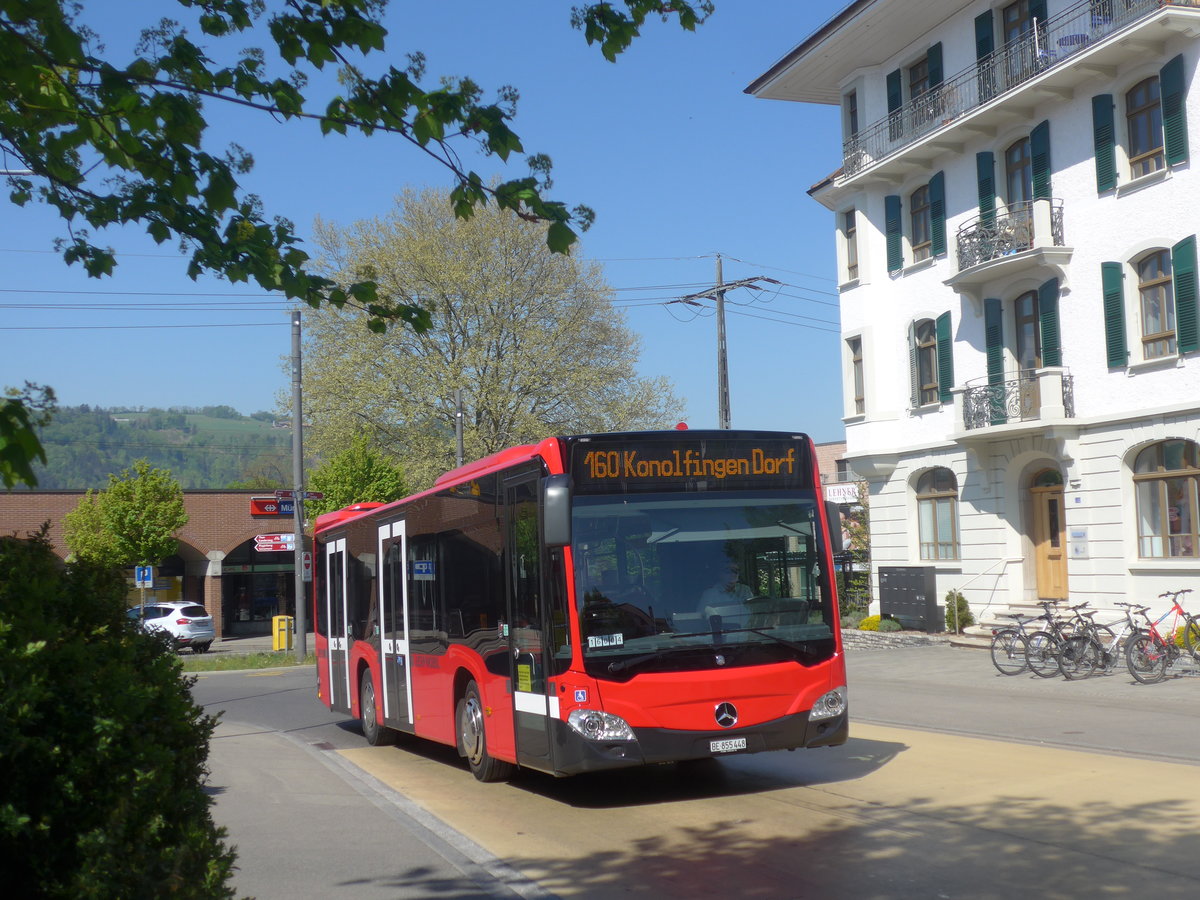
[1150,652]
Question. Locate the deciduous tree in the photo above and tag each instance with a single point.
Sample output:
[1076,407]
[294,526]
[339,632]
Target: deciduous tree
[529,337]
[358,474]
[132,522]
[112,142]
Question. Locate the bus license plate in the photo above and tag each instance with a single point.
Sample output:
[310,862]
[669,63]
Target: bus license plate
[727,746]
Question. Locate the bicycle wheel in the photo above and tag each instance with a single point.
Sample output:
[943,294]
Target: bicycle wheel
[1110,647]
[1146,657]
[1080,656]
[1191,636]
[1008,652]
[1041,652]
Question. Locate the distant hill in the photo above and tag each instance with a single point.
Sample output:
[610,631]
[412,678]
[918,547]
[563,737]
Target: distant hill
[207,447]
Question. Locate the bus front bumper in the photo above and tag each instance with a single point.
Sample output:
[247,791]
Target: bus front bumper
[574,754]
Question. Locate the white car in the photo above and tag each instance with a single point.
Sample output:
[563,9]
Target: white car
[189,624]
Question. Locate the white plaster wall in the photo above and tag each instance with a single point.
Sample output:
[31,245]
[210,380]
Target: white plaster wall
[1116,411]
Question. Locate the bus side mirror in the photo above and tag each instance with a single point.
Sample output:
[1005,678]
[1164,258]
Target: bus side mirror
[833,518]
[556,510]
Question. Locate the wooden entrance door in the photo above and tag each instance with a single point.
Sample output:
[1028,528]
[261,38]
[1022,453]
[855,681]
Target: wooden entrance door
[1049,535]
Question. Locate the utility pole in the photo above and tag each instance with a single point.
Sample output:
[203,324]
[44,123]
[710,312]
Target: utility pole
[723,417]
[717,293]
[301,645]
[458,424]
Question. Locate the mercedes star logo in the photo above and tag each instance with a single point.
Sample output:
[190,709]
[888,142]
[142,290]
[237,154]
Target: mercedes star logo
[726,715]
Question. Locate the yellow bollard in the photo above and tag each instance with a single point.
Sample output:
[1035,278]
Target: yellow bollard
[282,632]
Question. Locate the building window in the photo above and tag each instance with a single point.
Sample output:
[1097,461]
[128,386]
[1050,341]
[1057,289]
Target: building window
[1018,176]
[1165,478]
[1018,21]
[1157,304]
[852,114]
[850,237]
[918,78]
[927,373]
[854,347]
[1143,118]
[937,514]
[922,224]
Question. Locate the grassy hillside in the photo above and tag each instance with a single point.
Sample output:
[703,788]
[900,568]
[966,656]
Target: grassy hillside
[211,447]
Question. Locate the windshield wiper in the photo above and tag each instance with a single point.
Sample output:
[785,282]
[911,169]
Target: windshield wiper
[792,645]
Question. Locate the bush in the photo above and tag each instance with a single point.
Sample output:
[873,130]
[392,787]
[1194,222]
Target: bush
[870,623]
[104,748]
[955,600]
[1181,636]
[879,623]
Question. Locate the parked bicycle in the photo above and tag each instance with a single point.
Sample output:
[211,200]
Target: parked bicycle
[1150,652]
[1063,647]
[1010,645]
[1097,645]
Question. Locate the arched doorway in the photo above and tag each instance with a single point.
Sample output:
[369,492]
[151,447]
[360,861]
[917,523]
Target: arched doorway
[256,586]
[1049,534]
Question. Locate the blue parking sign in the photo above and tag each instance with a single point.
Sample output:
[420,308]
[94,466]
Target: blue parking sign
[144,576]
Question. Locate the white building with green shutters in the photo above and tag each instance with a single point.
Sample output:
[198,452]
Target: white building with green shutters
[1016,220]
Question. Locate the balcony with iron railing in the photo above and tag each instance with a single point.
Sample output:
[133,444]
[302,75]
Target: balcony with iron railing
[1031,397]
[1048,48]
[1021,227]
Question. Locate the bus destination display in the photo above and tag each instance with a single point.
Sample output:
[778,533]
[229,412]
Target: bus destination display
[708,465]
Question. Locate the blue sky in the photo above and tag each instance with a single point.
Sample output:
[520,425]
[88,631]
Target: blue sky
[677,161]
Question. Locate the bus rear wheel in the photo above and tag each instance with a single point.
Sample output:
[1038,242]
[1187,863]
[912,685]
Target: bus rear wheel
[472,740]
[377,735]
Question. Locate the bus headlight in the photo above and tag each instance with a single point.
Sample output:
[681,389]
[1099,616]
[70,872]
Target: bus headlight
[600,726]
[829,706]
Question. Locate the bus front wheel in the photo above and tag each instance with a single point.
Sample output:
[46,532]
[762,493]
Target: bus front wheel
[472,740]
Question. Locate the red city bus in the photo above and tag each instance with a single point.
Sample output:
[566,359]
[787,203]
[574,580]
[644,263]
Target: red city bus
[592,602]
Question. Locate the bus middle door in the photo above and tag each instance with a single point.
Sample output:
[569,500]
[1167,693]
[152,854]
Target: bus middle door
[335,615]
[523,577]
[397,672]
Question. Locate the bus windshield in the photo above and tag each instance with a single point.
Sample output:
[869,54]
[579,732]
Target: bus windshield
[676,582]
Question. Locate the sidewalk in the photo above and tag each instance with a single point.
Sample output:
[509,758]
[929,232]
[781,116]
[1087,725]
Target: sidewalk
[253,643]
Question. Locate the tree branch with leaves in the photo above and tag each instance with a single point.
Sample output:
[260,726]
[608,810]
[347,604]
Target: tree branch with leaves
[110,142]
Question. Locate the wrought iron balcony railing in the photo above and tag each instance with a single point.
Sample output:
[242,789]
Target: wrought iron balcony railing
[1048,45]
[1019,398]
[1001,234]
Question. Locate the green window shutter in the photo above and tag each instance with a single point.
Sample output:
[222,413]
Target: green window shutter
[914,369]
[985,168]
[985,38]
[1112,277]
[892,225]
[1183,268]
[993,337]
[933,60]
[1172,91]
[1104,135]
[945,358]
[895,95]
[937,214]
[1039,151]
[1048,314]
[985,43]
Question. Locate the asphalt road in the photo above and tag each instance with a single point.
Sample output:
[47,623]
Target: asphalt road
[957,782]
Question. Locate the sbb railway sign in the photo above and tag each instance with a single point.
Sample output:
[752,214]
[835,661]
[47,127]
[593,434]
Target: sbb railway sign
[274,543]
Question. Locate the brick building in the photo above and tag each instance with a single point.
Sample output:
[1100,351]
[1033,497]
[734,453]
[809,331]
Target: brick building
[216,563]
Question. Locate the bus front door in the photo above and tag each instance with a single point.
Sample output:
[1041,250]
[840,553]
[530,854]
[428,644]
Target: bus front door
[335,615]
[523,577]
[393,624]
